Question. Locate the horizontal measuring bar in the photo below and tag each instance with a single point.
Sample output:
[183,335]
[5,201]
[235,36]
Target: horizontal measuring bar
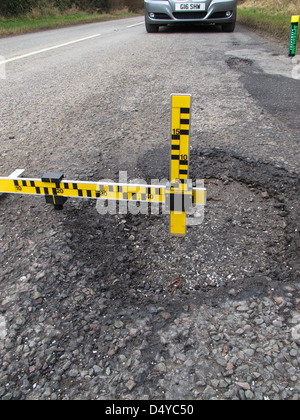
[96,190]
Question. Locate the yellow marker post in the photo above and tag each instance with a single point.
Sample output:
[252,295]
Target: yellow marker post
[180,153]
[294,35]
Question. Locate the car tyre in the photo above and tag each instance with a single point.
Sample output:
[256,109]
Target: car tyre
[228,27]
[151,29]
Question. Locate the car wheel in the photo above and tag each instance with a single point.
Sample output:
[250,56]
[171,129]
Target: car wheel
[151,28]
[228,27]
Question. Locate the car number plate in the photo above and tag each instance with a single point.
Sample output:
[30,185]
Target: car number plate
[190,7]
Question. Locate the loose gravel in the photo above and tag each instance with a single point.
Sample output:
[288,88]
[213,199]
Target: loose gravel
[86,311]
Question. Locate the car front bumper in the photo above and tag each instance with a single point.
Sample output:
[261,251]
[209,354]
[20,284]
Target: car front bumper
[165,12]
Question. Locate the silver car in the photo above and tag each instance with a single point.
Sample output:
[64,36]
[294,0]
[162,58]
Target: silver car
[164,12]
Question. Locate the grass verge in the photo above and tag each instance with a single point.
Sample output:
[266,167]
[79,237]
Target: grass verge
[273,22]
[21,25]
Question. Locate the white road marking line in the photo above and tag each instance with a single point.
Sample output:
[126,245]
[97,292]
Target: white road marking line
[20,57]
[136,24]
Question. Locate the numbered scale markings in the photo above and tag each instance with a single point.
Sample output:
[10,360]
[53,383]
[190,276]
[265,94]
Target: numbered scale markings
[180,150]
[179,196]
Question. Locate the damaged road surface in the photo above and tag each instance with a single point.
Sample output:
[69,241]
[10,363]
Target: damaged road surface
[86,309]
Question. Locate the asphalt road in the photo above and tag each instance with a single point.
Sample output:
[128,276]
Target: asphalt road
[86,303]
[111,81]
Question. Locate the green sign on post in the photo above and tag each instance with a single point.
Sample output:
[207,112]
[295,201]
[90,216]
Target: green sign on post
[294,35]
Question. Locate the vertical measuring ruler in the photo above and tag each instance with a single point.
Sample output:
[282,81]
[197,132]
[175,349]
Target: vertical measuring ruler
[180,154]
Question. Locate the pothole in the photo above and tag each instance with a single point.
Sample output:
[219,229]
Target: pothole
[248,241]
[239,63]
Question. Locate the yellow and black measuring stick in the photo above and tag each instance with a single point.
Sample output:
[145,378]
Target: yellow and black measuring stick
[179,193]
[57,190]
[179,196]
[294,35]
